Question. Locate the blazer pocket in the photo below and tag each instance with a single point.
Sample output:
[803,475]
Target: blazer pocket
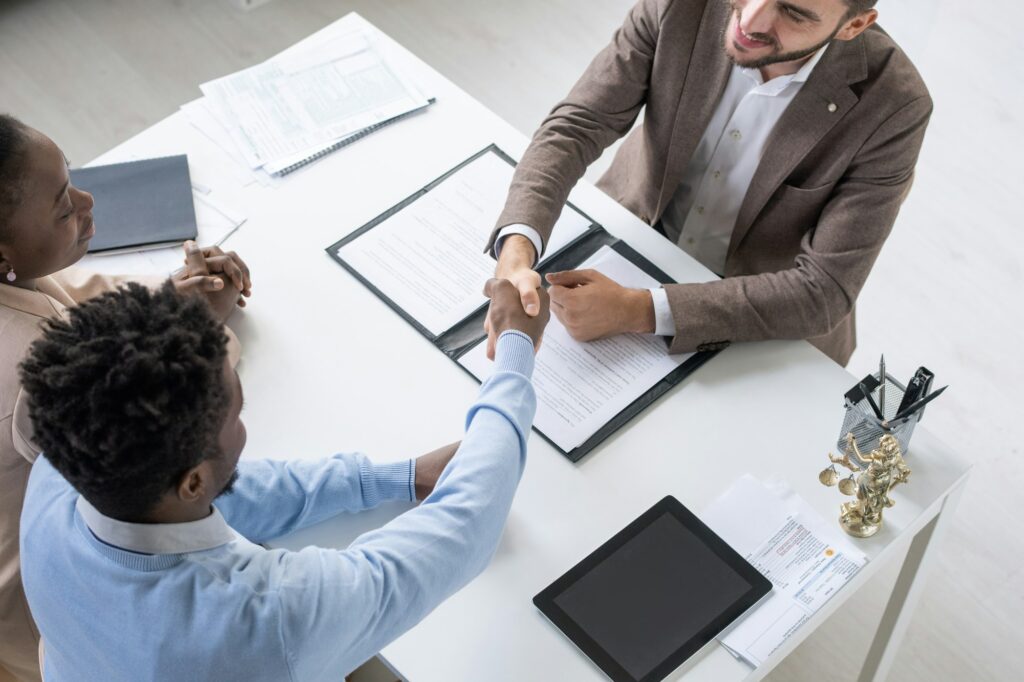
[791,213]
[794,193]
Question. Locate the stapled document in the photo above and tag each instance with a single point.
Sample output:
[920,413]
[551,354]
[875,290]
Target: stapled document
[806,559]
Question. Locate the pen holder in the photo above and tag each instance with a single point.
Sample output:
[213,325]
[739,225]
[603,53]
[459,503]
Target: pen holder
[860,419]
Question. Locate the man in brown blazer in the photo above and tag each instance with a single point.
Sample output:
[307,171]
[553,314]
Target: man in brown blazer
[779,140]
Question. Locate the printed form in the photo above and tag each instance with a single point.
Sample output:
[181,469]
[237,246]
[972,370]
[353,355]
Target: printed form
[581,386]
[428,258]
[807,561]
[297,102]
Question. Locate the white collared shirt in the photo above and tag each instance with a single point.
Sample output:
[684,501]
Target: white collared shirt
[701,216]
[158,538]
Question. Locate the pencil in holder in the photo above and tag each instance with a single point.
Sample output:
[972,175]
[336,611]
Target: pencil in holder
[864,424]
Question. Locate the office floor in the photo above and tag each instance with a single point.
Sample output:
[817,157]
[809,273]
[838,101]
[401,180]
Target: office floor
[945,292]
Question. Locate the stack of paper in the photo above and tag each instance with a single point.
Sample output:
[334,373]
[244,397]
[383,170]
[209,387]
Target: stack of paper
[806,559]
[293,108]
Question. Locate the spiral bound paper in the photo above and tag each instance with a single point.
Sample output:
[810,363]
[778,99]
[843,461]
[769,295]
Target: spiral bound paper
[344,142]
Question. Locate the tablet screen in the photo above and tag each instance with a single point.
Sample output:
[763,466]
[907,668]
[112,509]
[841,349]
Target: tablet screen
[653,595]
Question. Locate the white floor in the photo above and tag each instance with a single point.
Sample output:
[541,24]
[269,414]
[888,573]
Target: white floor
[945,292]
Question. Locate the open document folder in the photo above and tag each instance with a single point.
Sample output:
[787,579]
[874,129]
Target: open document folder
[807,559]
[424,258]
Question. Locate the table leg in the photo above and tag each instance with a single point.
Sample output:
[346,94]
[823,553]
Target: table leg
[907,591]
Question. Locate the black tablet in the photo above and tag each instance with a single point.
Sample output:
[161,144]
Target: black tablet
[653,595]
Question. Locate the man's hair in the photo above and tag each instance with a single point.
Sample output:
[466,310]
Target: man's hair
[128,394]
[855,7]
[13,135]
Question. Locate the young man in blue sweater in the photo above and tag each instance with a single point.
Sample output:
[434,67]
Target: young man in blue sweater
[138,566]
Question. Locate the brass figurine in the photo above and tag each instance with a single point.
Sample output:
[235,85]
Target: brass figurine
[873,476]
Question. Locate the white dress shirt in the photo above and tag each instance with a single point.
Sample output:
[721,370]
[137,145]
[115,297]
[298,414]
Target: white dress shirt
[701,216]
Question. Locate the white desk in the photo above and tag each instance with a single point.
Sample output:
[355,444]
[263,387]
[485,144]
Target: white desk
[328,367]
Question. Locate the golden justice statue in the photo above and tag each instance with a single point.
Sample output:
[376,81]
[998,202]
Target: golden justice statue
[880,471]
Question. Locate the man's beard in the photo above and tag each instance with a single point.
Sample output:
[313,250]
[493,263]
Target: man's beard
[778,58]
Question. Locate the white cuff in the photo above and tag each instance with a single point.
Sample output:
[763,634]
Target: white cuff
[525,230]
[664,323]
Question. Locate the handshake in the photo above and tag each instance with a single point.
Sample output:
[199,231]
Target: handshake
[507,313]
[589,304]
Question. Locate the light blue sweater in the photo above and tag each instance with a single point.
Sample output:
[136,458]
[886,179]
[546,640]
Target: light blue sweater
[241,612]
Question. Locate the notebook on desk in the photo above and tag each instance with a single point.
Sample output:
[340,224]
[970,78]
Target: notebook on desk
[423,257]
[139,204]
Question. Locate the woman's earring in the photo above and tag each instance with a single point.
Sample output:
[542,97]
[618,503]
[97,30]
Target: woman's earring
[11,276]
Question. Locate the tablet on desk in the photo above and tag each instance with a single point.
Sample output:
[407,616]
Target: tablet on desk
[653,595]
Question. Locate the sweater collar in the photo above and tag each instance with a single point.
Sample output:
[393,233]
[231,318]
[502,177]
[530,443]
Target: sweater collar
[157,538]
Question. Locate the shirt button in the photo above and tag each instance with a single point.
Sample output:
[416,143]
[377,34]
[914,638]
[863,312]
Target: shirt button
[689,240]
[700,210]
[736,135]
[717,174]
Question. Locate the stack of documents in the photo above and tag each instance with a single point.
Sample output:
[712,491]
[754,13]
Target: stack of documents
[806,559]
[294,108]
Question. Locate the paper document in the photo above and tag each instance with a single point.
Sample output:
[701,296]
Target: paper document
[806,559]
[581,386]
[428,258]
[214,221]
[297,103]
[200,114]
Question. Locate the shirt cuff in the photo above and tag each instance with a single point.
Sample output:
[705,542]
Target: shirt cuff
[393,481]
[664,323]
[514,353]
[525,230]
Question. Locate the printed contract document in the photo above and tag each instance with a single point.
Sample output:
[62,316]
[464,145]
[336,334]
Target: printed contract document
[424,257]
[581,386]
[428,258]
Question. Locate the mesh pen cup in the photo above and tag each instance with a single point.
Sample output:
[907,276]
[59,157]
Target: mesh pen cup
[866,427]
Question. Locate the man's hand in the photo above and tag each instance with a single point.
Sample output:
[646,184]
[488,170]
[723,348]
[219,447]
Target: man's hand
[222,277]
[430,466]
[516,265]
[592,306]
[506,312]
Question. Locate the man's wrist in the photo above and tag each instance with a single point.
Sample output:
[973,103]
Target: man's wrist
[517,252]
[514,352]
[642,308]
[524,231]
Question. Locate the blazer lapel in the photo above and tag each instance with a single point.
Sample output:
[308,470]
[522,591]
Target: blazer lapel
[45,301]
[705,80]
[809,117]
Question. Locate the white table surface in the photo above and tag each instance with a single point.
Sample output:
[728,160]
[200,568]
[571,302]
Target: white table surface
[328,367]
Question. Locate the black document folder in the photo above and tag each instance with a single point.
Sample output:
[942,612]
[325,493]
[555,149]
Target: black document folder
[139,204]
[469,332]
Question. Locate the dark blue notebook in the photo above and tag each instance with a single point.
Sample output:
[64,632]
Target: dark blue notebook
[139,204]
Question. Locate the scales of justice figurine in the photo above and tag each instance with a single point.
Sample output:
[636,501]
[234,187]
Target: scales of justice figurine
[872,477]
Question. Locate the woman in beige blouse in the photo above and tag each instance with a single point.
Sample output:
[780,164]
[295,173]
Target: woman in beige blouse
[45,227]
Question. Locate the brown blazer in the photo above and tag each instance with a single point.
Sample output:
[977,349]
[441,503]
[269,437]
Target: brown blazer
[21,313]
[821,204]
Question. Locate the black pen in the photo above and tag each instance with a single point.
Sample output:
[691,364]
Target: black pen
[919,404]
[881,390]
[871,401]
